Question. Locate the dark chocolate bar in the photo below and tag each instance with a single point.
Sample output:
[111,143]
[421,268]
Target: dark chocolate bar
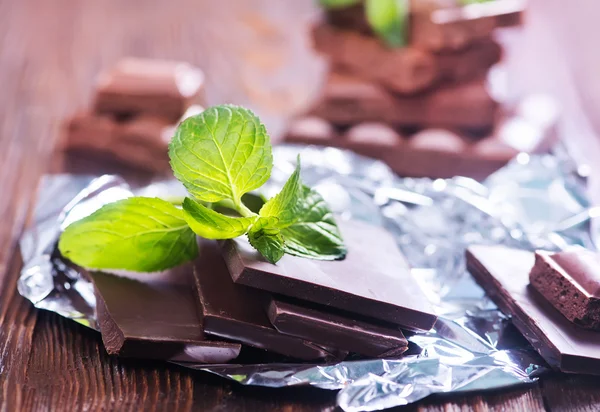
[439,24]
[504,274]
[570,281]
[344,332]
[373,280]
[238,313]
[407,70]
[347,100]
[404,70]
[471,63]
[155,319]
[433,153]
[154,87]
[140,141]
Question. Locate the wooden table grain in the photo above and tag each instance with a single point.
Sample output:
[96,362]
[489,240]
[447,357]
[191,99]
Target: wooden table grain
[50,53]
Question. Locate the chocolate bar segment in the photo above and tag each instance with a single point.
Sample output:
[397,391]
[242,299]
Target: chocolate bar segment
[238,313]
[344,332]
[404,70]
[441,27]
[504,274]
[155,319]
[373,280]
[141,141]
[570,281]
[349,100]
[155,87]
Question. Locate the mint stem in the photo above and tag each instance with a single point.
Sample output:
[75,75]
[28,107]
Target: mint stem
[243,210]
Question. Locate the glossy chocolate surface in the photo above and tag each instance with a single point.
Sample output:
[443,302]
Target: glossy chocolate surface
[504,274]
[344,332]
[154,87]
[570,281]
[156,319]
[373,280]
[583,267]
[238,313]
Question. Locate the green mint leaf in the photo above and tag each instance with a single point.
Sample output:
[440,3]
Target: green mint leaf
[314,234]
[221,153]
[265,236]
[338,4]
[286,203]
[467,2]
[389,19]
[139,234]
[209,224]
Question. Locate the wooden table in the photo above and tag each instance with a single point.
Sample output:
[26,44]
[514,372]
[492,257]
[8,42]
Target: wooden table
[50,52]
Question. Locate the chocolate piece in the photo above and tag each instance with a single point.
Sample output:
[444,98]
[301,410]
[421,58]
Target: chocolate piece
[376,140]
[155,87]
[570,281]
[348,100]
[373,280]
[440,24]
[407,70]
[155,319]
[404,70]
[504,274]
[471,63]
[141,141]
[440,27]
[311,130]
[344,332]
[236,312]
[433,153]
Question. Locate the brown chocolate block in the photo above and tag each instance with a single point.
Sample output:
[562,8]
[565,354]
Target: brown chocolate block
[376,140]
[155,319]
[504,274]
[373,280]
[435,153]
[403,70]
[311,130]
[141,141]
[471,63]
[570,281]
[348,100]
[455,28]
[438,25]
[237,312]
[318,324]
[155,87]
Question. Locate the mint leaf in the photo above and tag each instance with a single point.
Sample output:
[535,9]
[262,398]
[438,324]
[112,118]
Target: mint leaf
[265,236]
[139,234]
[314,234]
[209,224]
[338,4]
[221,153]
[285,204]
[389,19]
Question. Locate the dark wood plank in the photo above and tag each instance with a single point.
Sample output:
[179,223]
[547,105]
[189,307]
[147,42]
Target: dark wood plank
[571,393]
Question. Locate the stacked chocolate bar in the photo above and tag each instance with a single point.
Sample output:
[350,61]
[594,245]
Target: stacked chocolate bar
[230,298]
[135,108]
[425,108]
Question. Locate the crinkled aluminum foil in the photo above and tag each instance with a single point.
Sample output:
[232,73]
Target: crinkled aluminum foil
[534,202]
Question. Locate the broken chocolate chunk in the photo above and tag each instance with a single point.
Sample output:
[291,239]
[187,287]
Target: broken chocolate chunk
[570,281]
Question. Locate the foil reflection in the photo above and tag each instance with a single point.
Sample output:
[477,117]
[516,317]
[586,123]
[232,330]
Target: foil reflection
[534,202]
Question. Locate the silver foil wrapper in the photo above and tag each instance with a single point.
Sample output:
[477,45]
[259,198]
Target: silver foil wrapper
[534,202]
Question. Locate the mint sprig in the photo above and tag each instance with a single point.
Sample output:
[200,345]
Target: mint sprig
[220,156]
[387,18]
